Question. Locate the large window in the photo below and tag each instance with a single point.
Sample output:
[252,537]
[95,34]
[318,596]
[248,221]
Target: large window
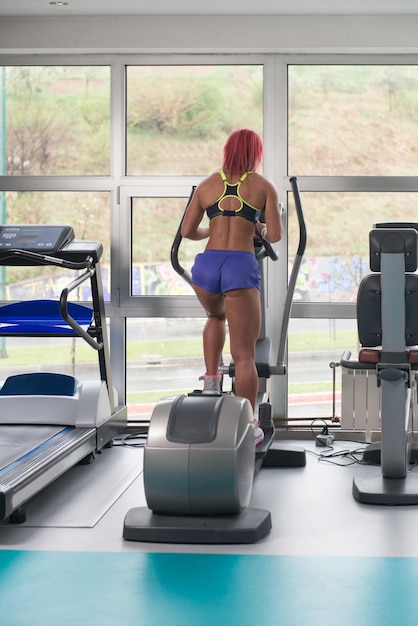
[89,215]
[353,120]
[152,273]
[57,120]
[337,252]
[114,146]
[178,117]
[314,379]
[351,142]
[69,141]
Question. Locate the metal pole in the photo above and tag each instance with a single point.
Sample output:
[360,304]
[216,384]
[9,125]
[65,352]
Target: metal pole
[3,352]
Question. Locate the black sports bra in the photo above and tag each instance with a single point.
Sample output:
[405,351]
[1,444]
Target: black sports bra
[245,210]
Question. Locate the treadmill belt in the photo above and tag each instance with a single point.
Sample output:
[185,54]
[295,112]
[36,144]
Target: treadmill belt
[18,440]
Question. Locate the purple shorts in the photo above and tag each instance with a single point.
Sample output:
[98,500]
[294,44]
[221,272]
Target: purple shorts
[219,271]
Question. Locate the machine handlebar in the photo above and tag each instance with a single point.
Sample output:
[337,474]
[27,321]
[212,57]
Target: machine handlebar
[293,276]
[301,219]
[176,245]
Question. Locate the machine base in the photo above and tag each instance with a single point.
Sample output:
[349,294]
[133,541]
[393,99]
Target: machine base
[284,456]
[388,491]
[271,454]
[372,453]
[249,526]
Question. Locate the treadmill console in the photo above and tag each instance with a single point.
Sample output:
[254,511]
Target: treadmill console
[41,238]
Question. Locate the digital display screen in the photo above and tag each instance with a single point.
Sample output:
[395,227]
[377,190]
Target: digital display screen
[25,239]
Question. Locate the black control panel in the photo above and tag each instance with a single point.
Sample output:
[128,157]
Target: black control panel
[44,238]
[33,244]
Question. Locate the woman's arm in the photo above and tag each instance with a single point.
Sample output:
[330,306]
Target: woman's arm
[272,230]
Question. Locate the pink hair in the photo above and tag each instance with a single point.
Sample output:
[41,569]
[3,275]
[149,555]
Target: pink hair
[243,151]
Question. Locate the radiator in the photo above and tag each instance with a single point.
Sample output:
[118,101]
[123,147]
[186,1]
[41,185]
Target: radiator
[360,400]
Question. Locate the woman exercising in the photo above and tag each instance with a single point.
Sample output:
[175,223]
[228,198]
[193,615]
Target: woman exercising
[225,276]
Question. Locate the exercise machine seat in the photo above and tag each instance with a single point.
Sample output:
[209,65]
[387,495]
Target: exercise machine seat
[369,319]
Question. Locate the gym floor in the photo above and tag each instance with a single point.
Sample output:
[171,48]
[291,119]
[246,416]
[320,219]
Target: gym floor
[328,559]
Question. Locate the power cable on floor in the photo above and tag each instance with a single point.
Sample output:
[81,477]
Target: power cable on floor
[132,440]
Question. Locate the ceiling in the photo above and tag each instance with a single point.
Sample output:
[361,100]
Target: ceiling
[43,8]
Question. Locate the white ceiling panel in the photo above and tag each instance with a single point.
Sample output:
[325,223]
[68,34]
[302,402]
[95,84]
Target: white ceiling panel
[207,7]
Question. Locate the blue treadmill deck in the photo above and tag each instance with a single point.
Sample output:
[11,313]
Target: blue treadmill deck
[42,318]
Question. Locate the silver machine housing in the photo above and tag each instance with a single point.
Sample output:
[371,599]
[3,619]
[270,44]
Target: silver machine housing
[199,456]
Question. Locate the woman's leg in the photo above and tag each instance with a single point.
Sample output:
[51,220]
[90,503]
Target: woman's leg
[214,331]
[243,312]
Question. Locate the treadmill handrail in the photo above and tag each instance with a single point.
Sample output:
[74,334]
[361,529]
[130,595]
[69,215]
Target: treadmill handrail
[63,305]
[45,259]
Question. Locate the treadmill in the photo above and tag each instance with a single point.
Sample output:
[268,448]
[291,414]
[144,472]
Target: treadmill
[49,422]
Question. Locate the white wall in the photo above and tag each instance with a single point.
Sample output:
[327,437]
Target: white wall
[344,34]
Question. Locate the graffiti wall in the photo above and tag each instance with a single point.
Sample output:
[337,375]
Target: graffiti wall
[330,279]
[321,279]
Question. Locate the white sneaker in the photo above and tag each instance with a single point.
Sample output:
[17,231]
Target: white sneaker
[258,434]
[212,385]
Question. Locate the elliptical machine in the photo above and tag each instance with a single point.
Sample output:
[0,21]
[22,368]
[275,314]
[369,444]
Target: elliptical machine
[200,459]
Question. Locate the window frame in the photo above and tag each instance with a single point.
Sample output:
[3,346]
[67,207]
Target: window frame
[123,188]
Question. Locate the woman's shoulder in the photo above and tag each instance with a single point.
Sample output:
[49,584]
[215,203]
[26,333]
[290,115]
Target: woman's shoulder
[215,176]
[210,181]
[209,189]
[261,180]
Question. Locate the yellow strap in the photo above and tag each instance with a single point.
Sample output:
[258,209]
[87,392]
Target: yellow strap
[243,177]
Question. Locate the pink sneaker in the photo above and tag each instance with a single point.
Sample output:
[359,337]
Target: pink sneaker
[258,434]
